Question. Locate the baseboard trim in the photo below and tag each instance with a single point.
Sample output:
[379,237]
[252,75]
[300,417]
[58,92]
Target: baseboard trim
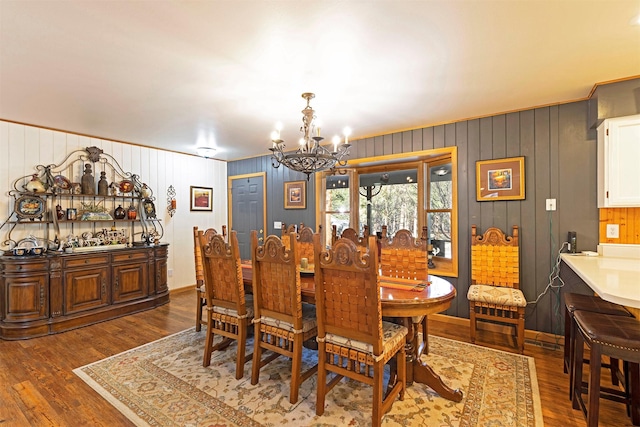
[532,336]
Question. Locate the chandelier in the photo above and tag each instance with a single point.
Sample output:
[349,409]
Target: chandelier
[310,156]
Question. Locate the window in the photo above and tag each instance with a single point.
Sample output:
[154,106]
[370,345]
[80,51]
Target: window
[401,195]
[337,205]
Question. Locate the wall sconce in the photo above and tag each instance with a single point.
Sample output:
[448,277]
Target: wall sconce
[171,200]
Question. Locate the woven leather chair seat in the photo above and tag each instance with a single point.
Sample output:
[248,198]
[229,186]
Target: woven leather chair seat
[496,295]
[392,335]
[309,321]
[234,313]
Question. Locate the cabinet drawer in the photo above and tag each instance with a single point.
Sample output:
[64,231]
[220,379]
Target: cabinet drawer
[16,267]
[86,261]
[131,256]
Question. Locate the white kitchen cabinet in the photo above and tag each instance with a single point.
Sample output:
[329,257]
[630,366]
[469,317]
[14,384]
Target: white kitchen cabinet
[619,162]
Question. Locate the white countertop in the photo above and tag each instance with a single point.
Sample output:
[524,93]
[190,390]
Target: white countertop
[614,279]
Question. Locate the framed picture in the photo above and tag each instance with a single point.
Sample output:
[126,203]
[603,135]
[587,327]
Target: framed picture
[295,195]
[201,198]
[500,179]
[149,208]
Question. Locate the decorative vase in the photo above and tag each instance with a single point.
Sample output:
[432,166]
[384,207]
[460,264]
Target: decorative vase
[35,185]
[131,212]
[103,185]
[145,191]
[88,182]
[119,213]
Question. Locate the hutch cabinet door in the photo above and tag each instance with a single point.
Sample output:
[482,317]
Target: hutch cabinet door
[26,297]
[130,281]
[86,289]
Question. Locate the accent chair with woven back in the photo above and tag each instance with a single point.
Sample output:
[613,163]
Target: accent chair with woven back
[494,293]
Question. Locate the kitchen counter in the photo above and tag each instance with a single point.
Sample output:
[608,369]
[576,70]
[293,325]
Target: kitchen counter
[614,279]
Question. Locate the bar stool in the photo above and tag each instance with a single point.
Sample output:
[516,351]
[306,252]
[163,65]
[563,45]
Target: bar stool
[594,304]
[613,336]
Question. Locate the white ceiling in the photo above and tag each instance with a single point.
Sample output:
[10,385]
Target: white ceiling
[177,74]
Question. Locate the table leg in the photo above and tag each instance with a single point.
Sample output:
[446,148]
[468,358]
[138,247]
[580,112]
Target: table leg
[420,372]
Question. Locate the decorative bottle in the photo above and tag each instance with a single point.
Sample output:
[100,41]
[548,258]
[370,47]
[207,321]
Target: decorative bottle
[103,185]
[88,182]
[131,212]
[119,213]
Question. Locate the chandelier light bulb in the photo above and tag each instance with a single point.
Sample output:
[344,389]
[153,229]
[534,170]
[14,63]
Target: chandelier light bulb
[336,142]
[346,132]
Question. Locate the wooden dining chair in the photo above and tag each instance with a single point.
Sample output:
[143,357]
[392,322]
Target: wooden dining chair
[494,293]
[304,236]
[353,340]
[229,312]
[351,234]
[201,299]
[406,257]
[282,321]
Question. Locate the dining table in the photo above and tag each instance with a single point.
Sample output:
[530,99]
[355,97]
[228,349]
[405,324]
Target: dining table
[406,300]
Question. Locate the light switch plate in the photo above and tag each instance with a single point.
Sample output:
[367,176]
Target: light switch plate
[277,225]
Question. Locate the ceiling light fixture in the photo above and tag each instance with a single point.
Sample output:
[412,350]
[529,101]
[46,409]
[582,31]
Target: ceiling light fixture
[441,172]
[206,152]
[310,157]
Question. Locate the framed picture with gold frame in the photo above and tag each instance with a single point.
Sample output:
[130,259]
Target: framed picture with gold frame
[201,198]
[295,195]
[500,179]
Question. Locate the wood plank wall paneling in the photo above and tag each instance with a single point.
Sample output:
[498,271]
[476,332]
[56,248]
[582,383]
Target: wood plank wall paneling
[628,220]
[548,137]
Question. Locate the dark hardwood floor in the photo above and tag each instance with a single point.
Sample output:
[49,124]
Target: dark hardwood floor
[38,387]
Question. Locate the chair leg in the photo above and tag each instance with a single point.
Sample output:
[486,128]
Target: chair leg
[595,362]
[208,344]
[322,379]
[472,318]
[614,367]
[296,366]
[242,347]
[198,310]
[376,420]
[567,342]
[633,384]
[402,370]
[520,331]
[257,354]
[578,354]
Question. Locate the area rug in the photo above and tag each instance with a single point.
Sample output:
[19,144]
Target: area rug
[163,383]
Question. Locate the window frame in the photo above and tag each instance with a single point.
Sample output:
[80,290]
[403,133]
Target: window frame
[420,160]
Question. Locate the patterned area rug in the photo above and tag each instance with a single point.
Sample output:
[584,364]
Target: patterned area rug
[163,383]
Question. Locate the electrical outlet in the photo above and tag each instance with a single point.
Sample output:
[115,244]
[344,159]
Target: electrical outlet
[170,272]
[551,204]
[613,231]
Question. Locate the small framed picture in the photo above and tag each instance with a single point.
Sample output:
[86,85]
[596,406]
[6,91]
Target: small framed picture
[201,198]
[295,195]
[500,179]
[149,209]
